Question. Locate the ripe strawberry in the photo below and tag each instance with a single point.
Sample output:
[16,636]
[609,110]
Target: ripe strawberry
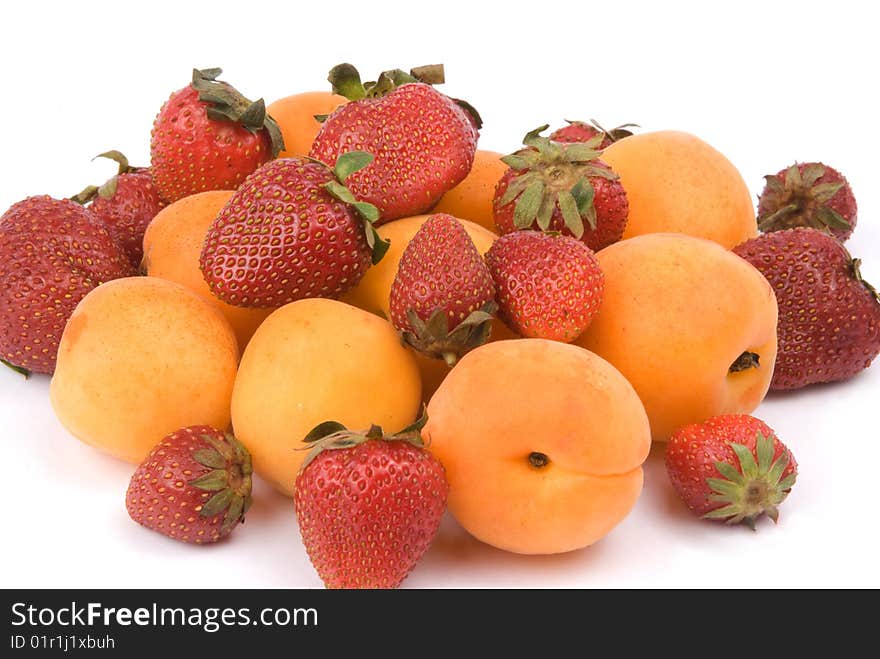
[442,298]
[52,252]
[561,187]
[549,286]
[424,141]
[291,231]
[731,468]
[125,204]
[829,317]
[368,504]
[208,136]
[808,195]
[194,486]
[579,131]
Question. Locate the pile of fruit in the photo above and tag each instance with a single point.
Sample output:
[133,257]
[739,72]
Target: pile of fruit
[340,293]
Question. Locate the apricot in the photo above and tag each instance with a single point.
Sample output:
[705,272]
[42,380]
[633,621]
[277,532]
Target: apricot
[472,198]
[319,360]
[295,116]
[140,358]
[675,182]
[691,325]
[542,443]
[173,243]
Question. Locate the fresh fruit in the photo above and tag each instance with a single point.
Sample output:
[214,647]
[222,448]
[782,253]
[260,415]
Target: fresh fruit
[829,317]
[52,253]
[580,131]
[298,118]
[549,286]
[676,182]
[314,360]
[207,136]
[172,247]
[317,240]
[542,443]
[561,187]
[142,357]
[472,198]
[689,324]
[194,486]
[125,204]
[443,298]
[424,141]
[808,195]
[730,468]
[363,525]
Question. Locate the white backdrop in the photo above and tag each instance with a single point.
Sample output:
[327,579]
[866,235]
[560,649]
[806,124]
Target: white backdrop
[766,83]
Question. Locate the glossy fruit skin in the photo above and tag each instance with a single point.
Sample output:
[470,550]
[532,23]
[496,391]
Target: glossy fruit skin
[52,253]
[829,321]
[472,198]
[578,131]
[423,142]
[368,514]
[295,115]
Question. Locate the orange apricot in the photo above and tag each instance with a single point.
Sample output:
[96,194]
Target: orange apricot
[472,198]
[296,118]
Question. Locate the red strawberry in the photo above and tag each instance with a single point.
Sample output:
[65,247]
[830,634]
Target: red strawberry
[194,486]
[52,252]
[125,204]
[561,187]
[731,468]
[368,504]
[424,142]
[829,317]
[208,136]
[442,298]
[549,286]
[579,131]
[808,195]
[291,231]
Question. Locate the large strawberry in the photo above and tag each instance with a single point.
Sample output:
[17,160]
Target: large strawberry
[368,504]
[561,187]
[52,252]
[829,317]
[207,136]
[442,298]
[291,231]
[424,141]
[580,131]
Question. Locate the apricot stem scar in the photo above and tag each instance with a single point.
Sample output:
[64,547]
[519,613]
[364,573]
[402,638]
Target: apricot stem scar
[538,460]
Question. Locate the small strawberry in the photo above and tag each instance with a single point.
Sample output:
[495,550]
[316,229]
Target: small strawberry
[829,317]
[549,286]
[579,131]
[207,136]
[52,252]
[442,298]
[561,187]
[731,468]
[194,486]
[808,195]
[125,204]
[424,141]
[368,504]
[291,231]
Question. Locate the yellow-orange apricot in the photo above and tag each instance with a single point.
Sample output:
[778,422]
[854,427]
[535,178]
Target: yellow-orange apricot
[295,115]
[472,198]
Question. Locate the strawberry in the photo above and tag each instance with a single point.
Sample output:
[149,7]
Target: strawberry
[829,317]
[194,486]
[368,504]
[424,141]
[291,231]
[731,467]
[207,136]
[52,252]
[442,298]
[561,187]
[808,195]
[579,131]
[125,204]
[549,286]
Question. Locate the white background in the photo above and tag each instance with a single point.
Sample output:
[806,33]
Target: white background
[764,82]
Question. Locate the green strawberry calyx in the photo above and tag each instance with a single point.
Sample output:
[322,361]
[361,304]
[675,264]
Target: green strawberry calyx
[230,479]
[856,265]
[18,369]
[433,338]
[797,199]
[108,189]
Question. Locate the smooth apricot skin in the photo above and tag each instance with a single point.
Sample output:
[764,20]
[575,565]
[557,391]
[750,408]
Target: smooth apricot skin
[472,198]
[678,312]
[509,399]
[173,244]
[677,183]
[140,358]
[319,360]
[295,115]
